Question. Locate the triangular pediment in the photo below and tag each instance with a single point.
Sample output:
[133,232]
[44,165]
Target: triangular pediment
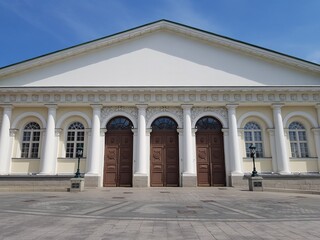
[162,54]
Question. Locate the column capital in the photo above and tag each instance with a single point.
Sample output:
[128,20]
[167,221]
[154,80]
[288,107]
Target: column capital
[13,132]
[277,105]
[271,131]
[232,106]
[142,106]
[103,131]
[317,106]
[51,106]
[316,131]
[225,131]
[58,131]
[148,131]
[186,106]
[96,106]
[7,106]
[134,131]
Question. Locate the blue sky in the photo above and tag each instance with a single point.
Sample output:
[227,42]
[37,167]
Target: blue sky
[30,28]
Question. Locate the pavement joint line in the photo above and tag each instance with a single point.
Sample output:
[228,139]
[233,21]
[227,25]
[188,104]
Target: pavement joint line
[236,210]
[109,208]
[160,219]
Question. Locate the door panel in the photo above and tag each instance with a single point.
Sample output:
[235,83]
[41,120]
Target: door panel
[164,170]
[118,159]
[210,159]
[203,165]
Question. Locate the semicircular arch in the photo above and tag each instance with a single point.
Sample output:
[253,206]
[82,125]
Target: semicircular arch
[164,114]
[260,115]
[210,114]
[301,114]
[65,116]
[29,114]
[118,114]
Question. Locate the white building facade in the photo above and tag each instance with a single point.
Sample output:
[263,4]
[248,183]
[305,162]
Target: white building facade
[160,105]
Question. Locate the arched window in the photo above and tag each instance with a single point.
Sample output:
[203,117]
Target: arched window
[164,123]
[119,123]
[30,140]
[75,139]
[298,140]
[208,123]
[253,135]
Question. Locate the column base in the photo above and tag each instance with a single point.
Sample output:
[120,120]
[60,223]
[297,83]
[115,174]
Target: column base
[91,180]
[189,180]
[140,180]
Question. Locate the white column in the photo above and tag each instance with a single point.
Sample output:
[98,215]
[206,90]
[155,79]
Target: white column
[273,150]
[141,154]
[94,153]
[49,151]
[316,133]
[281,148]
[234,152]
[187,141]
[5,149]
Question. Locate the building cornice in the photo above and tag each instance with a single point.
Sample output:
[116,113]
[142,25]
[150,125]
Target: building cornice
[153,27]
[159,96]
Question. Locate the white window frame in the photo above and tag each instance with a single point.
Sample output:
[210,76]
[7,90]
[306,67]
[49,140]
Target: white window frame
[75,143]
[252,131]
[31,142]
[296,151]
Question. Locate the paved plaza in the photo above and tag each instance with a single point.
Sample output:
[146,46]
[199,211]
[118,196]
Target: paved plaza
[159,213]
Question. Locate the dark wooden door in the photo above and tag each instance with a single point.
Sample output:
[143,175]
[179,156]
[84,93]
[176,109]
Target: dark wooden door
[118,159]
[210,159]
[164,157]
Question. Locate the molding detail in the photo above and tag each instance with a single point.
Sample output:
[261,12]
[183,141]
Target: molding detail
[196,111]
[106,111]
[151,111]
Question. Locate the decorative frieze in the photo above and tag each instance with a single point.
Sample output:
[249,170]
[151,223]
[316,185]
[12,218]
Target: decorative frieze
[196,111]
[106,111]
[130,97]
[177,111]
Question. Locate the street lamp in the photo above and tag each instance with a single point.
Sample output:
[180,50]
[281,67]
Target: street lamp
[253,154]
[79,155]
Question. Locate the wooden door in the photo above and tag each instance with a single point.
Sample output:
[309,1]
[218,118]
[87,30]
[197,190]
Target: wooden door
[210,159]
[164,157]
[118,159]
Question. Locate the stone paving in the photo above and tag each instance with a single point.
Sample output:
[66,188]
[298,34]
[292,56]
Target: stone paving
[159,213]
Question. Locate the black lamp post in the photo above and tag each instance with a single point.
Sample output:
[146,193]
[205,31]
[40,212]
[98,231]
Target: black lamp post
[253,154]
[79,155]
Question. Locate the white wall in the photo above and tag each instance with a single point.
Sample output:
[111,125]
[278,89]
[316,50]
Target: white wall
[163,59]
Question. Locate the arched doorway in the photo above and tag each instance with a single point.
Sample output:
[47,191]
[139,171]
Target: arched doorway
[210,153]
[164,153]
[118,153]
